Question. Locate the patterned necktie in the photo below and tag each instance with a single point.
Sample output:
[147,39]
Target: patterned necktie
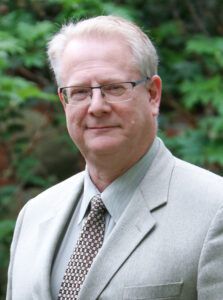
[87,247]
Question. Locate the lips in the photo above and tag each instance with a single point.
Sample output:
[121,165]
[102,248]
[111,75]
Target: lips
[101,126]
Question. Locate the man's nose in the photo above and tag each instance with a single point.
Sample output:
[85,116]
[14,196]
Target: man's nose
[98,104]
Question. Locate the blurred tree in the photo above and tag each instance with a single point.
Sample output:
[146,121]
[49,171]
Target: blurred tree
[35,150]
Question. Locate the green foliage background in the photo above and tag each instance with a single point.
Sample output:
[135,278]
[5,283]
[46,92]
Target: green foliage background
[35,150]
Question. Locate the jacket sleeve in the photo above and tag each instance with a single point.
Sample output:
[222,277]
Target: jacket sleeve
[15,239]
[210,270]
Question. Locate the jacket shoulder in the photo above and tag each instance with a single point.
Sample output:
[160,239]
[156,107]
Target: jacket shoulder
[57,195]
[196,181]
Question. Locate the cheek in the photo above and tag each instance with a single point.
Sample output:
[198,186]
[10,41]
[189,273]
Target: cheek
[142,121]
[131,117]
[138,117]
[71,119]
[74,117]
[74,120]
[133,121]
[140,112]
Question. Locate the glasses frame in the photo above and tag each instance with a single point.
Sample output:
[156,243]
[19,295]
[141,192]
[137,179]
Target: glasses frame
[133,83]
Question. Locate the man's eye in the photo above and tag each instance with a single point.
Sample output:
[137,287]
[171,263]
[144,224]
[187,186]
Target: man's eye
[79,91]
[116,89]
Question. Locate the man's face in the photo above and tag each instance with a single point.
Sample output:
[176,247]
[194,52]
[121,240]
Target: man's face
[101,128]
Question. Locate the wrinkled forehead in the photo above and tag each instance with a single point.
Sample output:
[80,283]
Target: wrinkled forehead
[84,52]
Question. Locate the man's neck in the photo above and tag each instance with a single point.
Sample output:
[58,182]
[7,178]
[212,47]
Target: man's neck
[103,176]
[103,170]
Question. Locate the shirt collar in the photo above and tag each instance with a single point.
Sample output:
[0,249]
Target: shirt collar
[118,194]
[90,190]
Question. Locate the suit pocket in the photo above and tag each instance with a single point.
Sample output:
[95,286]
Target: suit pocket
[149,292]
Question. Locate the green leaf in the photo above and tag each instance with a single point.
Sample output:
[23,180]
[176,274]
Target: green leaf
[205,45]
[37,32]
[6,228]
[10,44]
[203,91]
[213,153]
[15,90]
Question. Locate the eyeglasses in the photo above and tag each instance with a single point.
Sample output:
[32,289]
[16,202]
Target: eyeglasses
[112,92]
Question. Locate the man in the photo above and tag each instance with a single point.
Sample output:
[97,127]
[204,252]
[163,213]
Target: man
[159,230]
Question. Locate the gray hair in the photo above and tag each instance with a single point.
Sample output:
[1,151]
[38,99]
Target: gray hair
[106,27]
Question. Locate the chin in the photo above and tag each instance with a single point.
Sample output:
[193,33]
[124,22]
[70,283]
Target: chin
[103,148]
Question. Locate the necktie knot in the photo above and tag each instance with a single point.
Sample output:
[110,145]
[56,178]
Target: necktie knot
[97,204]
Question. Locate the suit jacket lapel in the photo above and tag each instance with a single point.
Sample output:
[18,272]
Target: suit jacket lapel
[156,183]
[135,223]
[49,235]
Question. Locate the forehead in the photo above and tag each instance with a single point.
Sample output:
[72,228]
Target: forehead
[87,58]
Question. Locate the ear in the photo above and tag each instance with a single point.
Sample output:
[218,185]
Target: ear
[61,98]
[155,91]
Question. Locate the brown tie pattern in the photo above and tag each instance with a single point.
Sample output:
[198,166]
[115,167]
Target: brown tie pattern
[87,247]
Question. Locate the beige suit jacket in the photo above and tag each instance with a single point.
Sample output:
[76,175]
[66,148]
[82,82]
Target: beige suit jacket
[168,243]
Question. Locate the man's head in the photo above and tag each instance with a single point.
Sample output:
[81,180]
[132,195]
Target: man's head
[98,52]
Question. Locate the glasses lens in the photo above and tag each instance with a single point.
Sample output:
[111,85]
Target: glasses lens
[117,92]
[75,95]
